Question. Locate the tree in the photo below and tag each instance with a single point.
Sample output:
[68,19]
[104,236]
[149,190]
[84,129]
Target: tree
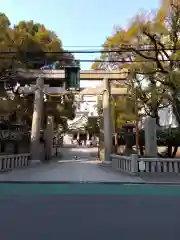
[92,125]
[62,108]
[31,45]
[149,48]
[6,43]
[122,110]
[142,48]
[43,44]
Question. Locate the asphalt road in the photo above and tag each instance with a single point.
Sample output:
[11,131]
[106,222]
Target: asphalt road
[30,211]
[68,217]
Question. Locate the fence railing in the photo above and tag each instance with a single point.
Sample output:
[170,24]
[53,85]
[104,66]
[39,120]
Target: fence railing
[159,165]
[135,165]
[10,162]
[125,164]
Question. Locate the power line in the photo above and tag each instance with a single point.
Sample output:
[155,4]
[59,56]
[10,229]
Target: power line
[125,61]
[146,48]
[96,60]
[116,48]
[76,46]
[119,61]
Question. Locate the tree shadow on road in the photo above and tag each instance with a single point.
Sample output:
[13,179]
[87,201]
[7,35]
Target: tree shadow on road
[72,153]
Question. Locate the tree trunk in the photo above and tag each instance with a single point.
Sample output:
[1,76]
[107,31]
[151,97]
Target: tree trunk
[169,150]
[175,151]
[129,144]
[176,108]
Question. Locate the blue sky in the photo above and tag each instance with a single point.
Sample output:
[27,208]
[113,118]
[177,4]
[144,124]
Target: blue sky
[77,22]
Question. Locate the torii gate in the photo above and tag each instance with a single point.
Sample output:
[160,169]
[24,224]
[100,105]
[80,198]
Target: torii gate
[41,76]
[105,90]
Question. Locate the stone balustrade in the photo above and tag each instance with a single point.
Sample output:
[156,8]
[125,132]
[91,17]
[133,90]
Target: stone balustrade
[136,166]
[159,165]
[124,163]
[12,161]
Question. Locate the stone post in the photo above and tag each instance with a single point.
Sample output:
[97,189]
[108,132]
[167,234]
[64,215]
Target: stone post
[134,164]
[150,137]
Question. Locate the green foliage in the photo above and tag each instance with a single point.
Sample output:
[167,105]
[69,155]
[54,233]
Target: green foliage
[122,110]
[165,137]
[31,42]
[62,108]
[159,31]
[28,44]
[92,125]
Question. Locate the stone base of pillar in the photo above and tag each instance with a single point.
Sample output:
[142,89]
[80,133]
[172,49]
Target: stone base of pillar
[106,164]
[34,163]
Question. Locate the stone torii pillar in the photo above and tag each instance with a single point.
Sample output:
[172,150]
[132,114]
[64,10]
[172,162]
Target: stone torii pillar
[107,122]
[36,119]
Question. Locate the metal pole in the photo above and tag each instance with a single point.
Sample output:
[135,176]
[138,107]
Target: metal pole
[137,121]
[115,128]
[49,134]
[36,120]
[107,122]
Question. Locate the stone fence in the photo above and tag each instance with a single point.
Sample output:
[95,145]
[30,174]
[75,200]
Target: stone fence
[136,166]
[12,161]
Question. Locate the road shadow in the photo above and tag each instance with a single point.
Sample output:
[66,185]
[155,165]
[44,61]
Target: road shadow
[160,177]
[70,153]
[84,161]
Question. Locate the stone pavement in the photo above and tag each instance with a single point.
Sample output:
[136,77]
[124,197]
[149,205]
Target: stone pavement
[161,178]
[85,169]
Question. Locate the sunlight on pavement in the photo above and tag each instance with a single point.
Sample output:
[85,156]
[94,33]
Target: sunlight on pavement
[84,168]
[85,161]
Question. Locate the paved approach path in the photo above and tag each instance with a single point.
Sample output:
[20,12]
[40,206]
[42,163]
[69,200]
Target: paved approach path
[85,168]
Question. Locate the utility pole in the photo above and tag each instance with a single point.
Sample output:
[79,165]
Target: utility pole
[107,122]
[36,120]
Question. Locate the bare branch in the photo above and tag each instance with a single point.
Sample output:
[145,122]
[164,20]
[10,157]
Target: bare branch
[153,40]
